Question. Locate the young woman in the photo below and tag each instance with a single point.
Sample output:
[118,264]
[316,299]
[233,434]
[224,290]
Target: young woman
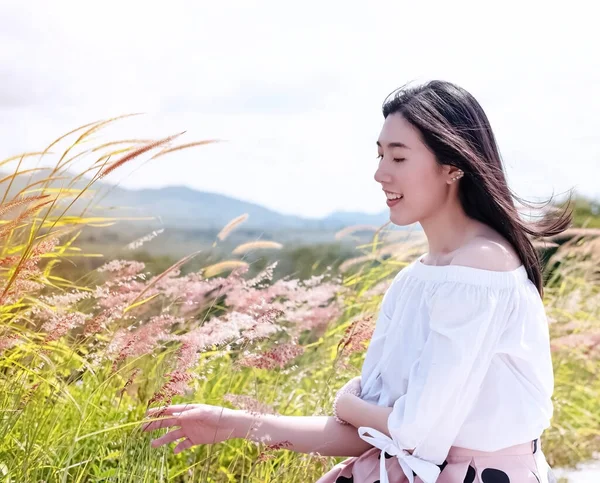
[457,381]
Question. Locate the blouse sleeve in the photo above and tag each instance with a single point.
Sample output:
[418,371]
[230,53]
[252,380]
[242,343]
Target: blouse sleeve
[375,348]
[466,322]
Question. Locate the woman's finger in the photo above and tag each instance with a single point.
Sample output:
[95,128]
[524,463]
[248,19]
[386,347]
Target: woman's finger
[168,410]
[168,438]
[160,424]
[183,445]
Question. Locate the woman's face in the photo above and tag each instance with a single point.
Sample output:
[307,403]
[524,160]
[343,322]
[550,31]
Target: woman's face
[407,168]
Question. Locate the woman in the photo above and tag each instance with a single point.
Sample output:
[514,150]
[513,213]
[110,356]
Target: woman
[457,381]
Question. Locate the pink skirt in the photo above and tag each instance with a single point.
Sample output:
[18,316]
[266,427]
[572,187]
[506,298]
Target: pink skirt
[524,463]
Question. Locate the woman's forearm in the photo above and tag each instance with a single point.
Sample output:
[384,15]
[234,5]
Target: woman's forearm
[316,434]
[302,434]
[363,413]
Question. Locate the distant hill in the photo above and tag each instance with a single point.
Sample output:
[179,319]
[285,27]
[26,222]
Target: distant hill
[188,209]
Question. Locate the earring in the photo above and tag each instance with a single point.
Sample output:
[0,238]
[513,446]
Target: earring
[458,176]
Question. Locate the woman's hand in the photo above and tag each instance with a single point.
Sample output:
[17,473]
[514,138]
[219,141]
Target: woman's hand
[195,423]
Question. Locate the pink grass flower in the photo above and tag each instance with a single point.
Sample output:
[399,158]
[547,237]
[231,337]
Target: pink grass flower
[277,357]
[59,324]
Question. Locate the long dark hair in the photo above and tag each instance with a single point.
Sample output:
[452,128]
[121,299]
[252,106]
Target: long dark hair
[454,126]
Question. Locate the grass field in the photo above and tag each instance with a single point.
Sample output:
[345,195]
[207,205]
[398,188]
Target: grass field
[82,359]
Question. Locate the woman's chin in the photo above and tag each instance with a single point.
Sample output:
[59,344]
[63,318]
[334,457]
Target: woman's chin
[400,220]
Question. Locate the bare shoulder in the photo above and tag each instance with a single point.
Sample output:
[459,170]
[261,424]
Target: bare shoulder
[487,254]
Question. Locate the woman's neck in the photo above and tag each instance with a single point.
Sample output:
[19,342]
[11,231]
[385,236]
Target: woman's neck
[448,229]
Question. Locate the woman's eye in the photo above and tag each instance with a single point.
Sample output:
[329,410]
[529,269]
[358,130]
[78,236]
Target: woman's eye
[398,160]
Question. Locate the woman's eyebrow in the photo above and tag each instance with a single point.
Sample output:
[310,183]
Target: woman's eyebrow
[394,145]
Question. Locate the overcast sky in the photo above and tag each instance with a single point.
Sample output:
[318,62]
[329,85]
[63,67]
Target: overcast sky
[296,88]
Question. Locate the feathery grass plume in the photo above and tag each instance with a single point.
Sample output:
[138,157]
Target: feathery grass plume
[277,357]
[122,268]
[93,127]
[269,450]
[229,227]
[129,381]
[23,216]
[64,167]
[185,146]
[256,245]
[8,341]
[22,281]
[356,260]
[146,238]
[265,276]
[221,267]
[176,385]
[101,320]
[353,229]
[28,395]
[58,325]
[356,335]
[144,339]
[265,326]
[157,279]
[64,136]
[123,141]
[135,153]
[544,244]
[18,202]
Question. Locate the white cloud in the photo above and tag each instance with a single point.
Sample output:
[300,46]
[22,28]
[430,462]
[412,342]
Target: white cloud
[297,88]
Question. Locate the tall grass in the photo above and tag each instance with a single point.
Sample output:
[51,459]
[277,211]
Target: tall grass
[81,360]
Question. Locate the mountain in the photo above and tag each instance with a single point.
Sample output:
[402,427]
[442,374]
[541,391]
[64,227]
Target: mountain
[188,209]
[185,207]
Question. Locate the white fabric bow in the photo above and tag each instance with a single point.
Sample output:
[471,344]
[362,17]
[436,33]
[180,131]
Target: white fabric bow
[426,470]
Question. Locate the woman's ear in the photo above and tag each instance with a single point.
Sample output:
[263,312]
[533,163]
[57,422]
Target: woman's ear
[453,174]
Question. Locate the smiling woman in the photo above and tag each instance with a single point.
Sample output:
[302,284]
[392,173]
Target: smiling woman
[457,381]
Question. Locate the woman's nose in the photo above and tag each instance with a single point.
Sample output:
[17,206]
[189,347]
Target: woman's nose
[381,176]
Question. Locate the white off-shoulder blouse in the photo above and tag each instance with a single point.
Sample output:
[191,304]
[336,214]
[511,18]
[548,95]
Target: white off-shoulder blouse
[463,356]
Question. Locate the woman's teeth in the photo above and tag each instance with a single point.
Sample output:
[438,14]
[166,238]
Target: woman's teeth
[393,196]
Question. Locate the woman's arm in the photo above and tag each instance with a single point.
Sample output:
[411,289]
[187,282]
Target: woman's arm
[193,424]
[362,413]
[301,434]
[321,434]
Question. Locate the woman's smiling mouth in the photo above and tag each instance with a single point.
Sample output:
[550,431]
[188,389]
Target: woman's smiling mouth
[392,198]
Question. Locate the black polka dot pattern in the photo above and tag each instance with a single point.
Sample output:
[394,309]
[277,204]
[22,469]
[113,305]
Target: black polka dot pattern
[470,478]
[442,466]
[492,475]
[344,479]
[387,456]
